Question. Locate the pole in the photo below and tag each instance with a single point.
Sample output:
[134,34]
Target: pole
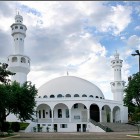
[139,63]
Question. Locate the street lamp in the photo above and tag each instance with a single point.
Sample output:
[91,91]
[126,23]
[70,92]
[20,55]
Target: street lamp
[137,53]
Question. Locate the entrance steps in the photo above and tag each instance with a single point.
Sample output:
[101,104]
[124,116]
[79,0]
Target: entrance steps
[120,127]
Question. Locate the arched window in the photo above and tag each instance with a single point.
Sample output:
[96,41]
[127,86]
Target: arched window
[21,27]
[14,59]
[68,95]
[16,27]
[28,62]
[91,96]
[45,96]
[119,84]
[100,97]
[39,97]
[76,95]
[59,95]
[97,97]
[23,60]
[84,95]
[52,96]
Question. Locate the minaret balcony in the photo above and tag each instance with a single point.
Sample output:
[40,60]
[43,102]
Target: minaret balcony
[18,31]
[117,85]
[19,60]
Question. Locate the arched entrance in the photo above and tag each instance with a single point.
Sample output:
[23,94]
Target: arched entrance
[116,114]
[106,114]
[79,116]
[61,113]
[43,113]
[94,112]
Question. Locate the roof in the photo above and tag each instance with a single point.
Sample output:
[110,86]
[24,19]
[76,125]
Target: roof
[69,85]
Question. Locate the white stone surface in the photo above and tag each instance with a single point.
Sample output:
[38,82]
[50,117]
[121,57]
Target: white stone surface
[69,85]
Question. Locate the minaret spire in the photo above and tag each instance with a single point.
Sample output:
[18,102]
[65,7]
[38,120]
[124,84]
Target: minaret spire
[118,85]
[67,73]
[18,62]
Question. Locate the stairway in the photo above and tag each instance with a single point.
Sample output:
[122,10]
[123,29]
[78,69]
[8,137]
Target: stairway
[102,126]
[120,127]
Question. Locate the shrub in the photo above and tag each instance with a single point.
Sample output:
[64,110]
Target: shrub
[15,126]
[9,131]
[23,125]
[6,126]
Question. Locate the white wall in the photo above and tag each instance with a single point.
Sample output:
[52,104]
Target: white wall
[124,114]
[93,128]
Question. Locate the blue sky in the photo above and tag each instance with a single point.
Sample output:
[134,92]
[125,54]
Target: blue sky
[80,37]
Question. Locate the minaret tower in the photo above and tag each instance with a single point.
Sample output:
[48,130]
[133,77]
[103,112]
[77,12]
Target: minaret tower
[117,86]
[18,62]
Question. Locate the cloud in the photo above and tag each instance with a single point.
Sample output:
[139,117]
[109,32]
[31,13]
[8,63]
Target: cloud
[133,41]
[137,28]
[112,19]
[67,36]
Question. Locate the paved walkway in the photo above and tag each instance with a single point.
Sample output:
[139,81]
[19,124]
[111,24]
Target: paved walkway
[75,136]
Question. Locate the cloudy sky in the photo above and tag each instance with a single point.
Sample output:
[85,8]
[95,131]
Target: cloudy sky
[80,37]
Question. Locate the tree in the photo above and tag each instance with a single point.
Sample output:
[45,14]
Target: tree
[4,73]
[15,98]
[132,97]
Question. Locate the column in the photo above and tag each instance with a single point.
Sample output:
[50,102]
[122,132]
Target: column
[70,115]
[88,115]
[52,115]
[100,115]
[111,116]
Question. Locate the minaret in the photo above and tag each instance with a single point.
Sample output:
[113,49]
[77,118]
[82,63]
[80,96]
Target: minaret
[117,86]
[18,62]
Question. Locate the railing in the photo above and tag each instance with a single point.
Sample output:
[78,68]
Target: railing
[105,128]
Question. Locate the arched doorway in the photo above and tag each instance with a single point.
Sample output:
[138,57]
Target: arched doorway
[79,116]
[61,113]
[94,112]
[43,113]
[116,114]
[106,114]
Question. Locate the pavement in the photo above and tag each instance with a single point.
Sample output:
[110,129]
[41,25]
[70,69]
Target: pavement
[75,136]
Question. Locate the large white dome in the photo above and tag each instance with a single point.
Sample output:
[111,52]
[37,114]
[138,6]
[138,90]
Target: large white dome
[70,85]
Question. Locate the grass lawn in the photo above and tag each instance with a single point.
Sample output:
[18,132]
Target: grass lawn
[135,134]
[23,125]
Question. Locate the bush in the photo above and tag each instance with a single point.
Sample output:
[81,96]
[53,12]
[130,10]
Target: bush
[6,126]
[15,126]
[23,125]
[9,131]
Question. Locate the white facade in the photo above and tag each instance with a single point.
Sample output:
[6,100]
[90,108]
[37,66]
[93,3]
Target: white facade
[117,86]
[18,62]
[73,103]
[68,103]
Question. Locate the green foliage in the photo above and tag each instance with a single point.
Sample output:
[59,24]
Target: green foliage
[24,100]
[10,131]
[6,126]
[15,126]
[4,73]
[15,98]
[23,125]
[132,97]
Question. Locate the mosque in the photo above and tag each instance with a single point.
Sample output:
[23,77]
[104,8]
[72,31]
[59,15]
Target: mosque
[68,103]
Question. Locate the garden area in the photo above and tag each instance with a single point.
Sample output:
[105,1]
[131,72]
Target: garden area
[11,127]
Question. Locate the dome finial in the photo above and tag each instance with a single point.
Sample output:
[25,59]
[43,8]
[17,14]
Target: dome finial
[116,55]
[17,11]
[67,73]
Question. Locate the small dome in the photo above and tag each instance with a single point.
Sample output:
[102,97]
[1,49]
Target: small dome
[18,19]
[70,85]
